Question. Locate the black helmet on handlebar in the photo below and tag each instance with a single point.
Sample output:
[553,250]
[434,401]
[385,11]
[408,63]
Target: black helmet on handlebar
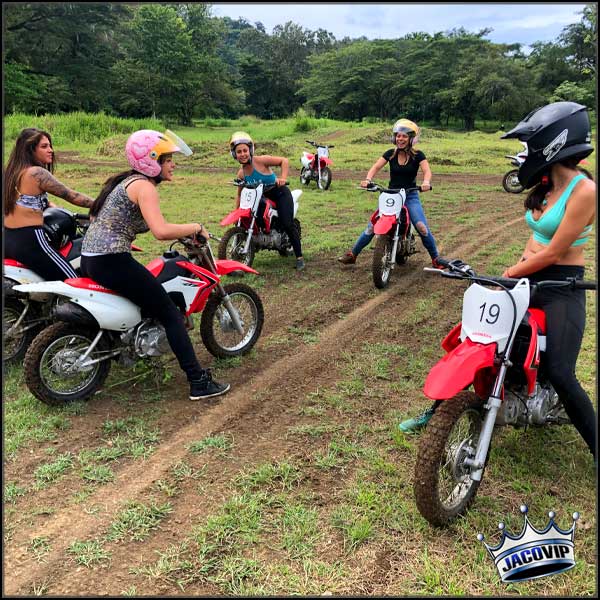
[241,137]
[552,133]
[59,226]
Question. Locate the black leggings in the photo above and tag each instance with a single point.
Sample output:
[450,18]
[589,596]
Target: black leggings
[123,274]
[282,196]
[565,323]
[30,246]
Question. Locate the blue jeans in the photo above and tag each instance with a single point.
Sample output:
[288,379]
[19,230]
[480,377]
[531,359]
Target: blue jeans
[417,217]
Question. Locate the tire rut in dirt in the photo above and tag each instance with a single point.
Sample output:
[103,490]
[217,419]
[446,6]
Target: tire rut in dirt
[266,392]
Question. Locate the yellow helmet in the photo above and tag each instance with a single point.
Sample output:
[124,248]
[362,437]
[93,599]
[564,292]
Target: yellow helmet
[240,137]
[409,128]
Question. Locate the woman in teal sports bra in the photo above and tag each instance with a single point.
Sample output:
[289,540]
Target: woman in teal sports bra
[561,209]
[258,169]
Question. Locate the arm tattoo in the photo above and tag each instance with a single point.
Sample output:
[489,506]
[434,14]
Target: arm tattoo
[49,183]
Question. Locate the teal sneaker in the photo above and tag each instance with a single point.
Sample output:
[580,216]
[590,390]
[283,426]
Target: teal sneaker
[416,423]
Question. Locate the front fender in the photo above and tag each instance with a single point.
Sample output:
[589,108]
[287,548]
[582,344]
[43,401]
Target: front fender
[235,215]
[384,224]
[224,267]
[458,369]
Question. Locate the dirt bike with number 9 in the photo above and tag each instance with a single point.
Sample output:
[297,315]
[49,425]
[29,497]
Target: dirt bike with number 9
[498,349]
[395,240]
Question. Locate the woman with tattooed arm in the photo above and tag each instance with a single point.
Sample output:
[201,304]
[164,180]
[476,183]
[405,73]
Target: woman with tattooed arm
[27,182]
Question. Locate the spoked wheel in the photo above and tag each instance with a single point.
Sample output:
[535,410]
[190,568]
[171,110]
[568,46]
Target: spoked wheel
[304,180]
[405,249]
[510,182]
[232,245]
[16,340]
[49,362]
[442,484]
[382,261]
[217,327]
[325,179]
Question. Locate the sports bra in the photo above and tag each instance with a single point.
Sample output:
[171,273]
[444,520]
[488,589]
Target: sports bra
[39,202]
[256,177]
[545,227]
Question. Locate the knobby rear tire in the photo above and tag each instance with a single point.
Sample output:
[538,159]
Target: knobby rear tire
[35,360]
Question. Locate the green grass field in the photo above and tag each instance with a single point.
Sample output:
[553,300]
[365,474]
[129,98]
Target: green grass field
[298,481]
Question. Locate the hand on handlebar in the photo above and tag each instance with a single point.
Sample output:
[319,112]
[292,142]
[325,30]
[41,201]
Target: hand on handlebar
[200,237]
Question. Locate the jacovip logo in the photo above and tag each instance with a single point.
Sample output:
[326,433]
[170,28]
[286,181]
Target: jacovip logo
[533,553]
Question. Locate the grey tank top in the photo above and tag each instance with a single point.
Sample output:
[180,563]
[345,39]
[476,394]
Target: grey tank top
[116,225]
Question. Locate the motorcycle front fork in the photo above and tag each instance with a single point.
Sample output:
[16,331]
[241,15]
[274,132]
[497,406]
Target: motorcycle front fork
[395,241]
[233,313]
[249,236]
[492,406]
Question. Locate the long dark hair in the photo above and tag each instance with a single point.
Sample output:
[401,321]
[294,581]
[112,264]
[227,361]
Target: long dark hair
[537,195]
[21,158]
[112,182]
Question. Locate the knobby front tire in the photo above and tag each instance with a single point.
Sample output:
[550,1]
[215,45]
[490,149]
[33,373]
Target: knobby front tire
[442,485]
[216,327]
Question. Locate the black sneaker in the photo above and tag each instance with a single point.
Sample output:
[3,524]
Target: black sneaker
[205,387]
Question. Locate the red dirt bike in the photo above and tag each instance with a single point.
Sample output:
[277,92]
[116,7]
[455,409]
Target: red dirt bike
[316,166]
[24,315]
[395,240]
[257,225]
[499,350]
[70,359]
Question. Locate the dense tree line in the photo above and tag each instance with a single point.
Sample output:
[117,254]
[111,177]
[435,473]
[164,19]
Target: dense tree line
[178,62]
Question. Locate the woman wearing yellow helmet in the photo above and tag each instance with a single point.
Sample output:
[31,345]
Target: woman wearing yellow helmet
[405,162]
[258,169]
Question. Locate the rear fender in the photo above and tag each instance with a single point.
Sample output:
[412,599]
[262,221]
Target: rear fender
[384,224]
[110,310]
[235,215]
[458,369]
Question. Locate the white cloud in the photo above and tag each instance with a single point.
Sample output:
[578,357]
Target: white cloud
[511,23]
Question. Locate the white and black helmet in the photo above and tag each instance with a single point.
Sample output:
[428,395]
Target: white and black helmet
[552,133]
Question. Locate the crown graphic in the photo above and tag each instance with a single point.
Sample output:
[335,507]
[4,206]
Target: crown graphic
[533,553]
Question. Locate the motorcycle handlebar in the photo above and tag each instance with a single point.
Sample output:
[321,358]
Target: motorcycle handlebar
[375,187]
[457,269]
[242,183]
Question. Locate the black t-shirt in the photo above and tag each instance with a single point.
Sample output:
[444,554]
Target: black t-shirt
[403,176]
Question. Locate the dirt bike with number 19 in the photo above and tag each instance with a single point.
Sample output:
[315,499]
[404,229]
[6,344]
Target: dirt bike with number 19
[493,375]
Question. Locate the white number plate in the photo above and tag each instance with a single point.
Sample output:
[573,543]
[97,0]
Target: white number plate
[488,315]
[391,204]
[322,152]
[250,197]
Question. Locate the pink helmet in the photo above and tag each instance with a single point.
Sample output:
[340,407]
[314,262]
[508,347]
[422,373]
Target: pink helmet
[144,147]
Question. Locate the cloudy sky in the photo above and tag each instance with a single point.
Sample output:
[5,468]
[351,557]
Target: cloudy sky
[511,23]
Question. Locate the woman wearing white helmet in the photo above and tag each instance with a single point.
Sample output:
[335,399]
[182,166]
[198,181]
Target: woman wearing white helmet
[405,162]
[127,205]
[258,169]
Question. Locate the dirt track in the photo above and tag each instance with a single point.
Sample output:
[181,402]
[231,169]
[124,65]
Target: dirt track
[257,414]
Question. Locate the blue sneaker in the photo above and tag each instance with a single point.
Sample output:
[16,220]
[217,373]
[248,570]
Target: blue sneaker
[416,423]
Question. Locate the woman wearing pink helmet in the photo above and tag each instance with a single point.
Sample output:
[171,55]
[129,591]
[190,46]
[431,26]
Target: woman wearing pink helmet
[127,205]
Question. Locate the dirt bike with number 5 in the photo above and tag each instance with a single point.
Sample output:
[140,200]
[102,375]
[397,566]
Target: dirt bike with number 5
[70,359]
[257,225]
[395,240]
[24,315]
[510,181]
[316,166]
[499,350]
